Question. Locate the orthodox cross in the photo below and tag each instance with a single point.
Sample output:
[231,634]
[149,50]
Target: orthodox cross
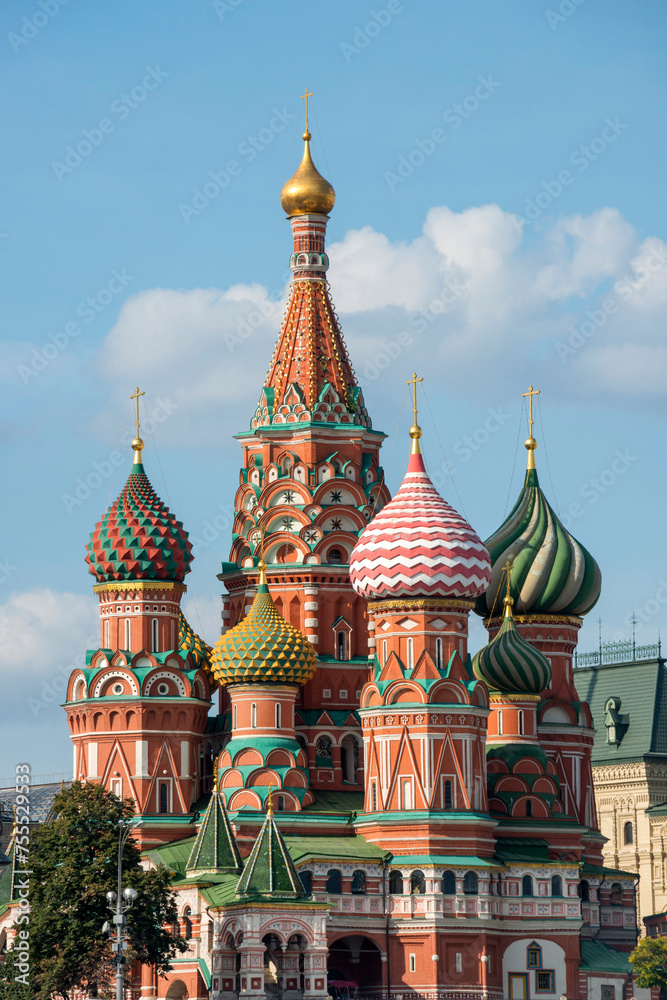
[413,382]
[531,392]
[135,396]
[306,96]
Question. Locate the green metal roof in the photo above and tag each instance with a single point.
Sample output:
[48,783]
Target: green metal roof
[589,869]
[336,802]
[302,849]
[599,957]
[215,849]
[641,687]
[527,849]
[445,860]
[269,870]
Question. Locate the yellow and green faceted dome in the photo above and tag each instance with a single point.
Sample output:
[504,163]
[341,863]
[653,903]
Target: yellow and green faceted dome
[263,648]
[189,643]
[509,663]
[551,574]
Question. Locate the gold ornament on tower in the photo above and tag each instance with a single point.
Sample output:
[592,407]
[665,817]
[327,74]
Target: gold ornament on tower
[307,192]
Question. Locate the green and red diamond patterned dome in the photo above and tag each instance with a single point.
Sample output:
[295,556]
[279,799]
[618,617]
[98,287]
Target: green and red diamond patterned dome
[139,538]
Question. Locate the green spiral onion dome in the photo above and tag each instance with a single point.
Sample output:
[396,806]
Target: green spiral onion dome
[551,574]
[263,648]
[189,643]
[138,538]
[509,663]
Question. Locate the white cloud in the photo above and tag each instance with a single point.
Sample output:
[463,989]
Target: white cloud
[473,294]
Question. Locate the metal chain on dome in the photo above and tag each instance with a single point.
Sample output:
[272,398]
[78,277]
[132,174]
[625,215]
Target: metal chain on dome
[516,451]
[546,458]
[120,452]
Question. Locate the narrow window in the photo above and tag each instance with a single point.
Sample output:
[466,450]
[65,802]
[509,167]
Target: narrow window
[358,884]
[411,653]
[278,715]
[154,637]
[628,834]
[448,795]
[500,723]
[529,807]
[164,797]
[187,923]
[406,788]
[556,885]
[307,882]
[281,803]
[459,962]
[470,883]
[374,797]
[384,652]
[106,634]
[395,883]
[413,963]
[438,653]
[341,647]
[117,787]
[526,886]
[253,716]
[333,884]
[173,644]
[236,717]
[520,723]
[127,634]
[417,883]
[616,894]
[448,884]
[584,891]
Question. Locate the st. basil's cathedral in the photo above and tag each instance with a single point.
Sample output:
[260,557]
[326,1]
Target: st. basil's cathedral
[374,811]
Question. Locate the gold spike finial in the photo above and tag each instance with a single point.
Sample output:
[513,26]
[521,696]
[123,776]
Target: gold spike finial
[508,602]
[215,774]
[415,430]
[306,134]
[531,443]
[269,800]
[137,444]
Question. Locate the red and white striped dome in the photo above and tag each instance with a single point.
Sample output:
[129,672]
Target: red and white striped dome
[419,546]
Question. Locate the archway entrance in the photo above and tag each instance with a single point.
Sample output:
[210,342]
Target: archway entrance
[177,991]
[354,962]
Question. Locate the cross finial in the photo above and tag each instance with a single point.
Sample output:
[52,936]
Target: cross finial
[415,430]
[531,443]
[309,93]
[137,444]
[508,602]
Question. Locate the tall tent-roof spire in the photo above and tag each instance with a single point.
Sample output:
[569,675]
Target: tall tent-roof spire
[215,850]
[270,871]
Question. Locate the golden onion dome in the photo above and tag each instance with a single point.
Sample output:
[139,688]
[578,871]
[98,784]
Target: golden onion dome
[263,648]
[307,192]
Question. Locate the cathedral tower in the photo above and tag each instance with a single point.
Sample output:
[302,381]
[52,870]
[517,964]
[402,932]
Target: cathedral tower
[310,482]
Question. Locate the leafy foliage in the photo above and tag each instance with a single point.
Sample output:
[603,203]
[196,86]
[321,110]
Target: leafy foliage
[74,861]
[650,961]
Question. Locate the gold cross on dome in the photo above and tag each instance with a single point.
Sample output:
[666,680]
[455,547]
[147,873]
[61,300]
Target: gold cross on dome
[531,392]
[135,396]
[413,382]
[306,96]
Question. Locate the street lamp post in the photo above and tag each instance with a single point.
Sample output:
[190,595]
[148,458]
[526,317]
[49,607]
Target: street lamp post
[119,903]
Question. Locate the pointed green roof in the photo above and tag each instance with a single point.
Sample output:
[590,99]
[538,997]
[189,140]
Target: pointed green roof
[270,871]
[215,850]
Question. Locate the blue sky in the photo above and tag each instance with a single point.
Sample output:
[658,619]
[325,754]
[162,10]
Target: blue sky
[500,220]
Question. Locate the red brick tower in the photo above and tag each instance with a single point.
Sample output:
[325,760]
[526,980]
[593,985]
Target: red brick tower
[310,482]
[138,708]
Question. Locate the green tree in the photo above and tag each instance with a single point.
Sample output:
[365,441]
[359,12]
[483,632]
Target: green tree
[650,962]
[73,863]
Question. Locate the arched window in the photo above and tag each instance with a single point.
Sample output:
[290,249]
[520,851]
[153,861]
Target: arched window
[448,884]
[529,807]
[323,751]
[253,716]
[335,557]
[106,634]
[154,636]
[278,715]
[470,884]
[520,723]
[306,882]
[187,923]
[448,795]
[334,884]
[410,653]
[128,634]
[164,797]
[281,803]
[534,956]
[628,833]
[395,883]
[417,883]
[527,885]
[616,894]
[438,653]
[500,723]
[341,646]
[584,891]
[556,885]
[358,882]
